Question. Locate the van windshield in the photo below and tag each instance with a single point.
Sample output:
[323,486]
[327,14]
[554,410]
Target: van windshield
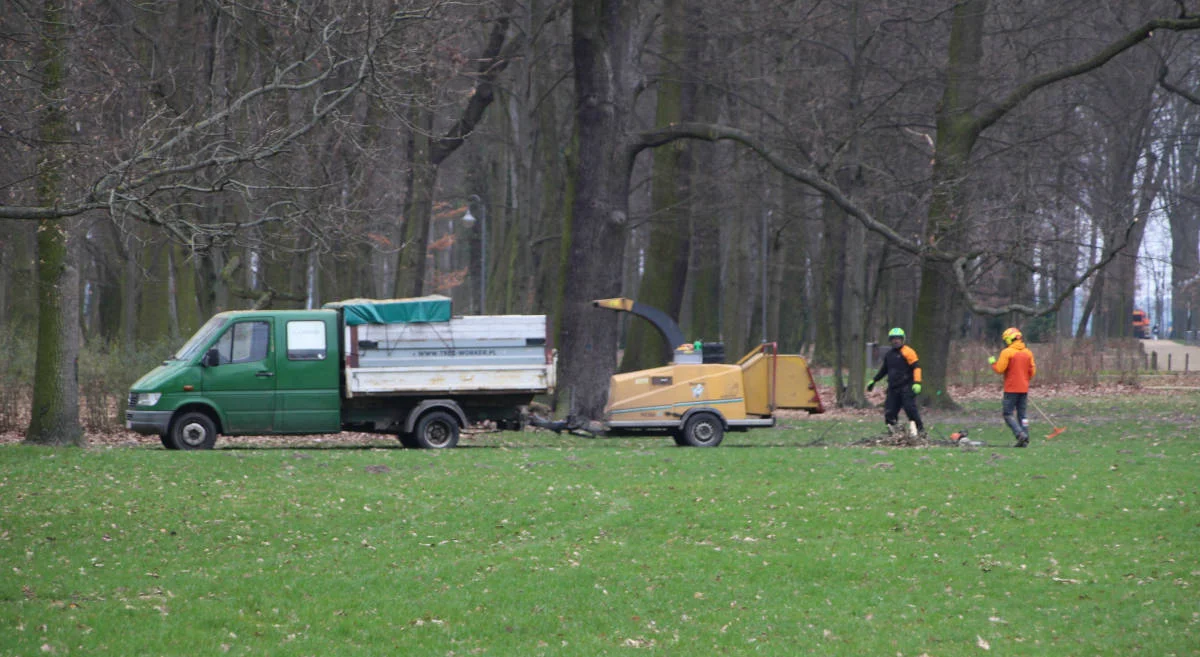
[202,338]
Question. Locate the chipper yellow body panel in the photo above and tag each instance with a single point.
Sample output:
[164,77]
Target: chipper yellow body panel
[696,401]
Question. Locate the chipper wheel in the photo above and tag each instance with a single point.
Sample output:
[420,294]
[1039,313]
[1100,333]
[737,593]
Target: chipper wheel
[701,430]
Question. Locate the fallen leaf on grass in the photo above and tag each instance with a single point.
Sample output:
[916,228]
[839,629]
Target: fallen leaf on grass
[982,643]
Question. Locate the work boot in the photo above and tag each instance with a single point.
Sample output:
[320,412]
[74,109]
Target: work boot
[1023,440]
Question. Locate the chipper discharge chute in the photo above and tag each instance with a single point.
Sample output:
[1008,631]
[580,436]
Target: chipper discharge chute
[698,397]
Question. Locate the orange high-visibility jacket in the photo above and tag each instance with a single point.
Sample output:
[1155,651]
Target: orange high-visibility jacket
[1017,365]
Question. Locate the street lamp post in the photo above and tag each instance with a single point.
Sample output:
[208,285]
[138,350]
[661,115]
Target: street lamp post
[476,203]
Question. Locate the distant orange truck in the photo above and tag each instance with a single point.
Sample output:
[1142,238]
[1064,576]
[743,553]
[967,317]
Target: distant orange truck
[1141,324]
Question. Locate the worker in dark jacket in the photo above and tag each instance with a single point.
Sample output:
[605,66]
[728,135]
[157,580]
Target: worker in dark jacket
[1018,367]
[903,373]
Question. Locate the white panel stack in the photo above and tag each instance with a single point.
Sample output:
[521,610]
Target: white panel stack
[488,354]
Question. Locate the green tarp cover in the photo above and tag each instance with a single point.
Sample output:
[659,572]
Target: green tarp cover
[433,308]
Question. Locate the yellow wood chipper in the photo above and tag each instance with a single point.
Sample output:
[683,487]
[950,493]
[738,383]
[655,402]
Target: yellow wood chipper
[698,397]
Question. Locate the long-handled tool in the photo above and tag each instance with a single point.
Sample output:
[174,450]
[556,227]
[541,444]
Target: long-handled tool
[1057,430]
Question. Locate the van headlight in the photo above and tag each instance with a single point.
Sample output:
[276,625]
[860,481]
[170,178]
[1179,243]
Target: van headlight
[148,398]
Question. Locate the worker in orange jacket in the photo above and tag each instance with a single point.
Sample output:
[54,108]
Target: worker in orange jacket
[1018,367]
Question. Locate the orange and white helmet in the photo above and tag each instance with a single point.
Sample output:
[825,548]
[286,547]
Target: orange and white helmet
[1012,334]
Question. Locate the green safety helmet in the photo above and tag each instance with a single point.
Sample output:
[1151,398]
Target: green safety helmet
[896,333]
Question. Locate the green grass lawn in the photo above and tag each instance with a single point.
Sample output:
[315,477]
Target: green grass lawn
[779,542]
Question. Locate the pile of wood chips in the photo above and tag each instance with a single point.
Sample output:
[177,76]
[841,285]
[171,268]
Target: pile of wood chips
[899,439]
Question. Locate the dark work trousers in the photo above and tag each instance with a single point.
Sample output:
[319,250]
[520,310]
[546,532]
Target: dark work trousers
[901,398]
[1014,412]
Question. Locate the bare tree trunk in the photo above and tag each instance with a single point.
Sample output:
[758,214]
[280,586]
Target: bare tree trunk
[1124,272]
[1183,213]
[854,310]
[55,412]
[703,289]
[418,207]
[603,48]
[1126,147]
[172,296]
[547,169]
[939,303]
[667,254]
[131,285]
[1065,260]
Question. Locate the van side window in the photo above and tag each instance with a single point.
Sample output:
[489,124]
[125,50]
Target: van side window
[245,342]
[306,340]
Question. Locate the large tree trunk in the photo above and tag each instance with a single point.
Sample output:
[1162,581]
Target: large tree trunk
[1184,216]
[418,207]
[602,48]
[1120,303]
[854,299]
[1127,152]
[703,291]
[736,263]
[1065,259]
[548,168]
[55,412]
[667,255]
[940,303]
[829,297]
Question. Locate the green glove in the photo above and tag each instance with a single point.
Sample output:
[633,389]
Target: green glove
[991,360]
[870,386]
[916,388]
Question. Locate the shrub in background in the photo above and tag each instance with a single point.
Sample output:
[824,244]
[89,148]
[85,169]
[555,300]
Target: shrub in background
[16,379]
[106,371]
[1040,329]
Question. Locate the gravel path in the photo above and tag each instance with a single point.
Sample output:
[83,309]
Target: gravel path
[1178,356]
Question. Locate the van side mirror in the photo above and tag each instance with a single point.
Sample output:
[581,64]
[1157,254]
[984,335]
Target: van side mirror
[212,358]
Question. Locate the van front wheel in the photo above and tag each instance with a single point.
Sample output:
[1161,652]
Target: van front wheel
[193,430]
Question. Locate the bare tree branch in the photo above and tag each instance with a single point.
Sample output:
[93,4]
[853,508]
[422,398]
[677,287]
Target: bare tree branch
[959,261]
[713,132]
[1037,82]
[492,62]
[121,185]
[1189,96]
[973,304]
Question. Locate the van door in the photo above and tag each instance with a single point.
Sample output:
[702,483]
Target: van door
[242,383]
[308,397]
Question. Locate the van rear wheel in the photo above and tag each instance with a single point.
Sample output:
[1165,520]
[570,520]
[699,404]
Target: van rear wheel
[436,430]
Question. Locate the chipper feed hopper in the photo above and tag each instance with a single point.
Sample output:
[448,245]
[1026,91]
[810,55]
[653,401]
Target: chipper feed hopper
[698,397]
